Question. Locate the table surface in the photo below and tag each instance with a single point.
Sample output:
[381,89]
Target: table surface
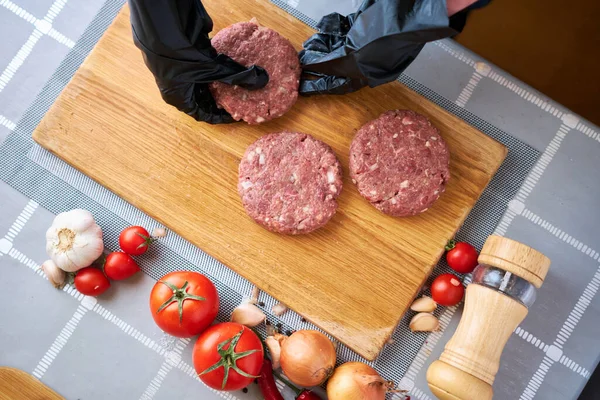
[358,238]
[550,355]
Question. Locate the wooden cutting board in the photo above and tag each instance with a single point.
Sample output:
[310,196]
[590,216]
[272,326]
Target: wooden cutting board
[356,276]
[18,385]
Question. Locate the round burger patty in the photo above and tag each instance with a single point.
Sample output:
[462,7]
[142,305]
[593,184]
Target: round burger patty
[250,44]
[289,182]
[400,163]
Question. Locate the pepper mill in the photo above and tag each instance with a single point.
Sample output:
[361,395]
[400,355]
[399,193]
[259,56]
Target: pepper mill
[503,288]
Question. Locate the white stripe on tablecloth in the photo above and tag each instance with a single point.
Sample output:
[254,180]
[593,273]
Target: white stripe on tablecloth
[7,123]
[42,27]
[59,342]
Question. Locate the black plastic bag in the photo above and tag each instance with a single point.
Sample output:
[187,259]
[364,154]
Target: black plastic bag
[173,38]
[371,46]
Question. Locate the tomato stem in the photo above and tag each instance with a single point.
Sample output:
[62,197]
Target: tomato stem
[179,295]
[229,358]
[148,240]
[450,245]
[100,263]
[70,278]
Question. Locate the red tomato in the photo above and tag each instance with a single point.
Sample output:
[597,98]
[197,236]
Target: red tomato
[91,281]
[184,303]
[230,347]
[119,266]
[461,257]
[135,240]
[447,290]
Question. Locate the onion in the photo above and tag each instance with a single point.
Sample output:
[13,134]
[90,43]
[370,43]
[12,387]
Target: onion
[307,358]
[357,381]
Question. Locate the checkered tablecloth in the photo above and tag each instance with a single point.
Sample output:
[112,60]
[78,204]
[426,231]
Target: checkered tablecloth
[110,348]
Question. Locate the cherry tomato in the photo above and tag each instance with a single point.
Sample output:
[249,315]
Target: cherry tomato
[135,240]
[461,257]
[184,303]
[447,290]
[119,266]
[228,347]
[91,281]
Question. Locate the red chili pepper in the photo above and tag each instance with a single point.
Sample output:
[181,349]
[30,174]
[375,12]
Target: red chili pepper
[308,395]
[266,382]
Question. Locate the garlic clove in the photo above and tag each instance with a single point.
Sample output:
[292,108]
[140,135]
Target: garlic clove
[424,322]
[424,304]
[248,314]
[279,309]
[274,350]
[55,275]
[159,232]
[254,296]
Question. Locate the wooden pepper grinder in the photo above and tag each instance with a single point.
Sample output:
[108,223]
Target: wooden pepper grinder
[503,288]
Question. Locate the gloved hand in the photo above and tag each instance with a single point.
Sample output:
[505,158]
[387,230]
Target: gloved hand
[173,38]
[371,46]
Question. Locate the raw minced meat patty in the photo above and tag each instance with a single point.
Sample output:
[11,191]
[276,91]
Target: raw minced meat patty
[250,44]
[400,163]
[289,182]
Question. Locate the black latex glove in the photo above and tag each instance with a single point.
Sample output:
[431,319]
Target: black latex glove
[173,38]
[371,46]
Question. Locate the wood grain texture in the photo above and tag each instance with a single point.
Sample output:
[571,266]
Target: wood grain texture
[488,320]
[18,385]
[356,276]
[447,382]
[473,353]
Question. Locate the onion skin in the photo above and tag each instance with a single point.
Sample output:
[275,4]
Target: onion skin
[356,381]
[307,358]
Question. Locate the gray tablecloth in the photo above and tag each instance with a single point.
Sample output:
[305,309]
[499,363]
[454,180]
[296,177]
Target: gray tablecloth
[96,349]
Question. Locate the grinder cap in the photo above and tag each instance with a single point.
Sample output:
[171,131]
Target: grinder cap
[516,258]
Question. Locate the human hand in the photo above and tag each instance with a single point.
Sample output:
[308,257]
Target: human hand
[173,38]
[371,46]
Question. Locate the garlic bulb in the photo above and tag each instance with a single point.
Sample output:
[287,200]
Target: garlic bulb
[74,240]
[55,275]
